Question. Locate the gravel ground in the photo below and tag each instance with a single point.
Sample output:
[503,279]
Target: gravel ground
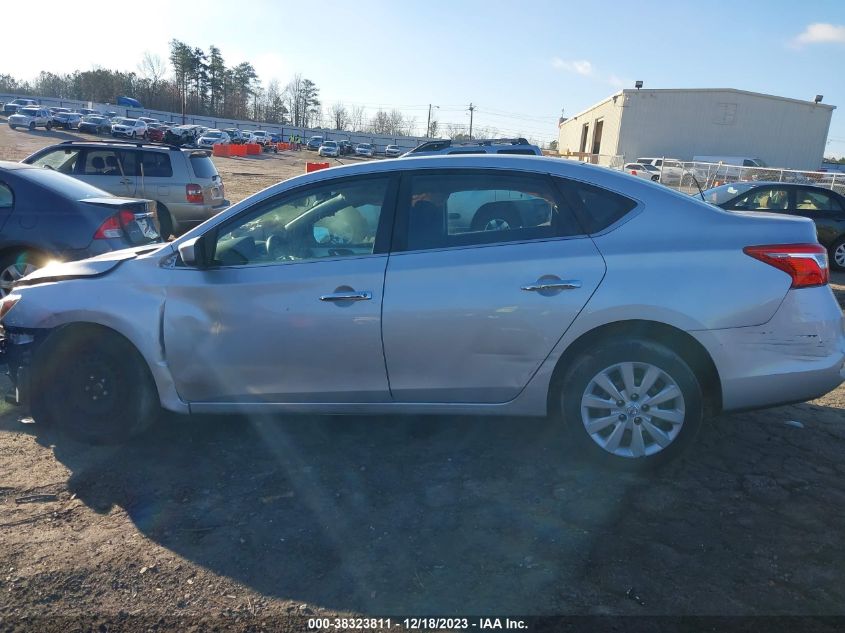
[225,522]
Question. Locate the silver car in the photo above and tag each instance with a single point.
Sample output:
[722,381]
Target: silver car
[626,312]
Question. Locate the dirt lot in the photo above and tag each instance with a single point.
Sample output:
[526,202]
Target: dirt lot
[226,522]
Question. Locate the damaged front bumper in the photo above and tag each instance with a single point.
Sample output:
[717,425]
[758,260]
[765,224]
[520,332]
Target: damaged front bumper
[17,347]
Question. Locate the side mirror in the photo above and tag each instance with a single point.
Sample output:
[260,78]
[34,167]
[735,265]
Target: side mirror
[193,252]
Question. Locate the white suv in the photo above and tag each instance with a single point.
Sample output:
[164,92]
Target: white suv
[133,128]
[671,170]
[31,117]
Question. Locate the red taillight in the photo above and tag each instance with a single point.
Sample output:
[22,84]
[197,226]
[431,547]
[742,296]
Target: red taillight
[193,193]
[805,263]
[114,225]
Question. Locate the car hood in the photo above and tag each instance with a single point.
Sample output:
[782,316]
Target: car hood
[92,267]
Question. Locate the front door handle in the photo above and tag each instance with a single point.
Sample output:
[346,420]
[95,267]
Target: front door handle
[353,295]
[560,284]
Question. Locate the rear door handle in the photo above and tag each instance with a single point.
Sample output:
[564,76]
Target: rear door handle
[354,295]
[563,284]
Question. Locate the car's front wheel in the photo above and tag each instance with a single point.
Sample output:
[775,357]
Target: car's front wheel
[93,384]
[837,254]
[631,403]
[32,126]
[14,266]
[49,126]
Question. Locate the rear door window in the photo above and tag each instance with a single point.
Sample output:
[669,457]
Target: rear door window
[156,165]
[763,199]
[445,210]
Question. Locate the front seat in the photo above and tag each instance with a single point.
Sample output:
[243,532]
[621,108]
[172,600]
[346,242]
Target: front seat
[113,167]
[98,164]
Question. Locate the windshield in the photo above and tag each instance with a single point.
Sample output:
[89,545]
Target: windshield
[720,195]
[330,144]
[29,111]
[365,146]
[213,134]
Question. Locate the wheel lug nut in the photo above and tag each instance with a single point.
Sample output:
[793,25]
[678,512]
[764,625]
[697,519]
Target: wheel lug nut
[635,396]
[622,417]
[637,420]
[645,407]
[620,403]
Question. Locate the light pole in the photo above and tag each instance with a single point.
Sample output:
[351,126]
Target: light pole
[428,123]
[471,109]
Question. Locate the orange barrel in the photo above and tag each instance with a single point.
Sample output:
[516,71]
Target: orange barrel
[309,167]
[220,150]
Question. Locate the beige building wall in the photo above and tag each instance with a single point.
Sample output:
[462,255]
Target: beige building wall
[686,123]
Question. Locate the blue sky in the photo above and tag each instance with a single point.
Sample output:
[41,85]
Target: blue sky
[519,62]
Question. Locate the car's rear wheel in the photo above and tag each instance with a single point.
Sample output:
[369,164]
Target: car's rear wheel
[631,403]
[837,254]
[92,384]
[15,265]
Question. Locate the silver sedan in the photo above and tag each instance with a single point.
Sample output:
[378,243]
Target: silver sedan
[495,285]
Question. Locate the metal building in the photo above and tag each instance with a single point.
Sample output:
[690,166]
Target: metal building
[685,123]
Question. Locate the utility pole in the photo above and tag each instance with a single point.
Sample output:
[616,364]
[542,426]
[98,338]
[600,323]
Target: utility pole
[428,123]
[471,108]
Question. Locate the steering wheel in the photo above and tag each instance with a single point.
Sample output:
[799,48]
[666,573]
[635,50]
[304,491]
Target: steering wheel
[277,246]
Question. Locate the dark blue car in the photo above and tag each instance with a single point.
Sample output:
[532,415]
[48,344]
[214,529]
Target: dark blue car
[45,215]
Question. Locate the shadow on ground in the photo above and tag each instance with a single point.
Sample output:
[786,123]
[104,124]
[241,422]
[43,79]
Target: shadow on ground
[487,516]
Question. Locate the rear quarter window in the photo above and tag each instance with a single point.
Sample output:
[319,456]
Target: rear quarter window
[596,208]
[203,166]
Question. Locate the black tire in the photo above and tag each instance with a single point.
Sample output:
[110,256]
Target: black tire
[838,244]
[655,179]
[496,220]
[14,127]
[607,354]
[134,134]
[32,126]
[49,126]
[165,221]
[91,383]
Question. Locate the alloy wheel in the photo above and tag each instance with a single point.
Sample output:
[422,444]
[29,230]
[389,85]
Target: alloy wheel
[839,255]
[497,224]
[633,409]
[11,274]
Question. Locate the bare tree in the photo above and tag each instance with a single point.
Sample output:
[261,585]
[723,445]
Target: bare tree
[433,128]
[339,116]
[357,118]
[152,68]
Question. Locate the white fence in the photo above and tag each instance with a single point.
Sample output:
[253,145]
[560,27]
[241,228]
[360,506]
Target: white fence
[380,141]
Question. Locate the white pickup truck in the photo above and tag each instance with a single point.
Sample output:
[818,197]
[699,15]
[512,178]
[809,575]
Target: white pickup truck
[31,117]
